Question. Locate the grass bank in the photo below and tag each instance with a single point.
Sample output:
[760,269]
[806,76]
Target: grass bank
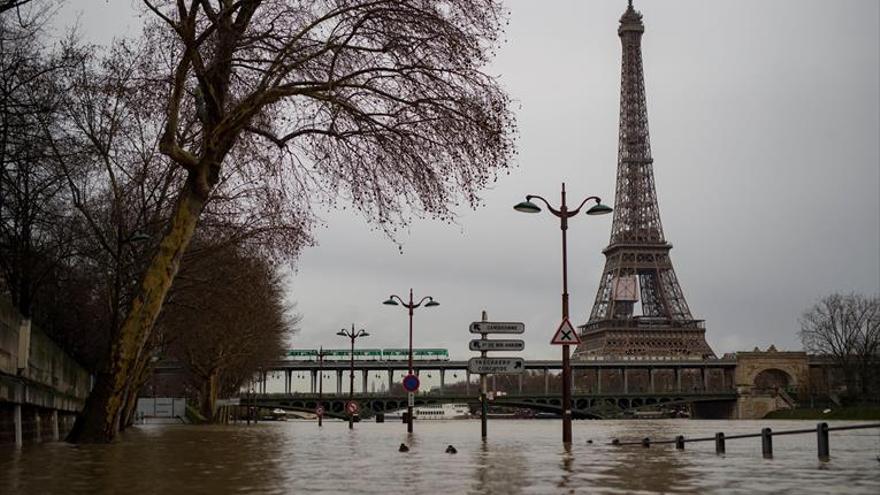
[848,413]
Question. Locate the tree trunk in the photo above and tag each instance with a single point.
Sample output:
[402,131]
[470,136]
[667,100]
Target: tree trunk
[209,395]
[99,421]
[141,376]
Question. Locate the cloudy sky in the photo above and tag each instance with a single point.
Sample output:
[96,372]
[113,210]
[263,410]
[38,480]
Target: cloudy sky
[764,119]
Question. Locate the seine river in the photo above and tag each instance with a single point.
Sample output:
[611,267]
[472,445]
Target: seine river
[521,456]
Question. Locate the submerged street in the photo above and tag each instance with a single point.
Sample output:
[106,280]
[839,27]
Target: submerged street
[520,457]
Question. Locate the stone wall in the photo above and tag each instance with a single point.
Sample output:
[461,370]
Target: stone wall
[51,378]
[45,390]
[754,402]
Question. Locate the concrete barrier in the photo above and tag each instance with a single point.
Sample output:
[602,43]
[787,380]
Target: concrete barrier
[41,387]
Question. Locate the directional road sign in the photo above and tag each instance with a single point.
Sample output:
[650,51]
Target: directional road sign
[411,383]
[501,365]
[565,334]
[497,327]
[497,345]
[352,407]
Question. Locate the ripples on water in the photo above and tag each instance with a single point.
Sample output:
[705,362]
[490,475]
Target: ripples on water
[520,457]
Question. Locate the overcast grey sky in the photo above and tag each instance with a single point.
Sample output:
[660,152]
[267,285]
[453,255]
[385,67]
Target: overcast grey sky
[764,119]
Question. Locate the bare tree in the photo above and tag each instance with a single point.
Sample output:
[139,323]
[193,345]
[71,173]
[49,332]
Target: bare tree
[380,102]
[847,328]
[226,320]
[35,222]
[12,4]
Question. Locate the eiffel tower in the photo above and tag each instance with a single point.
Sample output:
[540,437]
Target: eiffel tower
[638,275]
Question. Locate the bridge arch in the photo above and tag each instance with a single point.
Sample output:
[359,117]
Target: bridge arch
[766,370]
[773,378]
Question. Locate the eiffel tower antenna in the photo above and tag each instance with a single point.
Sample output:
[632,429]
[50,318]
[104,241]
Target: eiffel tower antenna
[638,272]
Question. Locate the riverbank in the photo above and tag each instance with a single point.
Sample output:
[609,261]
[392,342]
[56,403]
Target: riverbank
[839,413]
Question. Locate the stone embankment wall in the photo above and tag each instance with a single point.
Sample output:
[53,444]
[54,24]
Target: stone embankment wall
[41,387]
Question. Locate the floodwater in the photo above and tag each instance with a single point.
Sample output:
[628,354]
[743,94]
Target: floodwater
[521,456]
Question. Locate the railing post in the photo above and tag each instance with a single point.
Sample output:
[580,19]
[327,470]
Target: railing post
[679,442]
[822,440]
[767,443]
[16,419]
[55,435]
[719,443]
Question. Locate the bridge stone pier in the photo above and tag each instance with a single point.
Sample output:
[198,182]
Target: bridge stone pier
[770,380]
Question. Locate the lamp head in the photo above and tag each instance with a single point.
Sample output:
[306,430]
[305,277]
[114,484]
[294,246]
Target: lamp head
[431,303]
[341,333]
[365,334]
[527,207]
[600,209]
[390,302]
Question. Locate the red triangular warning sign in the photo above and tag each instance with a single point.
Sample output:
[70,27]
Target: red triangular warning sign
[565,334]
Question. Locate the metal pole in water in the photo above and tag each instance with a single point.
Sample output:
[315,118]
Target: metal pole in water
[484,405]
[822,440]
[679,442]
[767,443]
[719,443]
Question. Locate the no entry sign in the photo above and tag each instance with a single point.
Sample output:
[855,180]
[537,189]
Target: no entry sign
[352,407]
[411,383]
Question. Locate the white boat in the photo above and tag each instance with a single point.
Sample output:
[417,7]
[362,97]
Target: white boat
[435,412]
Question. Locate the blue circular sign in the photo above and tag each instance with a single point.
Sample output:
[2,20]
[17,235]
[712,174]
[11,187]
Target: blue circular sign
[411,383]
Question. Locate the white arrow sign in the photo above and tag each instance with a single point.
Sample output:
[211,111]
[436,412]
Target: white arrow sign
[565,334]
[497,327]
[497,345]
[506,365]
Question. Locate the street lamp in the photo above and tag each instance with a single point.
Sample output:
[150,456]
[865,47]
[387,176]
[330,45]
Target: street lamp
[563,213]
[352,335]
[320,408]
[410,306]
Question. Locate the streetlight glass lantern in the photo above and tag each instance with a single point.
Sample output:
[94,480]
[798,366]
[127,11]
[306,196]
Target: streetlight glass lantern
[600,209]
[527,207]
[431,304]
[390,302]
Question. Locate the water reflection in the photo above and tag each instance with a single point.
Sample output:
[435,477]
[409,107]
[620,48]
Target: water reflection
[567,472]
[655,469]
[499,470]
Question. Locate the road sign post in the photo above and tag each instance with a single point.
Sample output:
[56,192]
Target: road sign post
[484,365]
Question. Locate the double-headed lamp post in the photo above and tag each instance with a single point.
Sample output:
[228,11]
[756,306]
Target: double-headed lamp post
[351,334]
[563,213]
[410,306]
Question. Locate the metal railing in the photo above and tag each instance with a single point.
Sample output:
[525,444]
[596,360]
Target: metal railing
[822,439]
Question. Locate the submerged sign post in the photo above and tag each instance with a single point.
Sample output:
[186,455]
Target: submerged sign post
[484,365]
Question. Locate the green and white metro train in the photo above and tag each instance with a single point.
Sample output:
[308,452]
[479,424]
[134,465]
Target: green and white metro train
[369,354]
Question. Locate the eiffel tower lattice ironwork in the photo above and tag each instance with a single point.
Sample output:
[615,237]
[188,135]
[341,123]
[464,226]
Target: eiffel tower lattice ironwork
[638,271]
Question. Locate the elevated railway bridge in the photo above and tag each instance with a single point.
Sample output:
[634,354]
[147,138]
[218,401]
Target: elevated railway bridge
[739,386]
[601,389]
